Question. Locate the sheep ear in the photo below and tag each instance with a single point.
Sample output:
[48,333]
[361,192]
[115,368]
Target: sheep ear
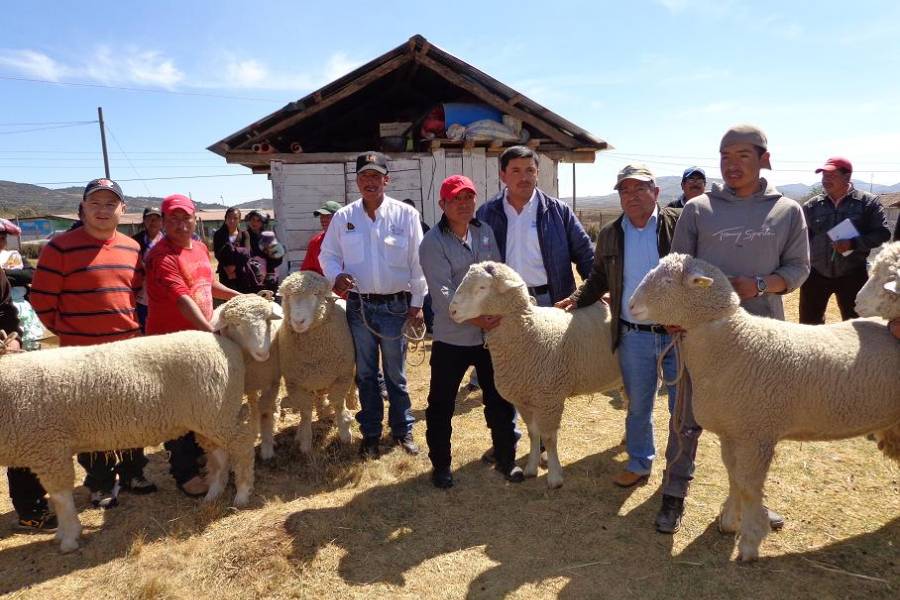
[698,280]
[277,312]
[891,286]
[216,322]
[504,284]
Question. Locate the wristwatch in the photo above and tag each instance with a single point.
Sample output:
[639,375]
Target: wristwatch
[761,286]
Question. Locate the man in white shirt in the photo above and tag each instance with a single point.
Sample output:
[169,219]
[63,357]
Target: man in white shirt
[371,251]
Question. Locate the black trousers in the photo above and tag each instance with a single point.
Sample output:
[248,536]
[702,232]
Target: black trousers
[102,467]
[448,366]
[184,454]
[26,492]
[817,290]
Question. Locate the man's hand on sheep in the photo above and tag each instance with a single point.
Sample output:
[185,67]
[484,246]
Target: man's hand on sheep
[841,246]
[745,287]
[567,304]
[342,283]
[486,322]
[894,328]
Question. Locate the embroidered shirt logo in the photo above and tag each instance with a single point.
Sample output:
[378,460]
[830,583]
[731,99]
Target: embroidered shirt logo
[740,234]
[350,226]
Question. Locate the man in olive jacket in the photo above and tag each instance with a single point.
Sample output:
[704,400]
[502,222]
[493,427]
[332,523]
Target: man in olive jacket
[626,250]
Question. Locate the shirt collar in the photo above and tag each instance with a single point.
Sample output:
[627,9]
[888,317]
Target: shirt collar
[527,204]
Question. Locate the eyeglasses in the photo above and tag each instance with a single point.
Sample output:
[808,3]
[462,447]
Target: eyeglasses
[696,178]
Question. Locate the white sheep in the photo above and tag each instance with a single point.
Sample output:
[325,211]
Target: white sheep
[126,394]
[316,353]
[880,297]
[253,323]
[540,355]
[757,381]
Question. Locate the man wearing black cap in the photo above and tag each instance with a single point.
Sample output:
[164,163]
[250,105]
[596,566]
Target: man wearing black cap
[838,260]
[371,251]
[693,183]
[146,239]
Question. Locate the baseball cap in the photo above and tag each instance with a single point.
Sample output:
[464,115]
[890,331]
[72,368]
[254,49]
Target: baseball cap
[175,201]
[691,171]
[329,208]
[454,184]
[836,162]
[634,171]
[372,161]
[96,185]
[746,134]
[8,227]
[151,210]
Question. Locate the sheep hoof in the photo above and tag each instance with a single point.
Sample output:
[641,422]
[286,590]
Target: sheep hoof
[747,553]
[530,470]
[727,526]
[266,453]
[241,499]
[66,546]
[554,483]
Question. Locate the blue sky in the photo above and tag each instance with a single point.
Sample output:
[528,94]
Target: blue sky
[660,80]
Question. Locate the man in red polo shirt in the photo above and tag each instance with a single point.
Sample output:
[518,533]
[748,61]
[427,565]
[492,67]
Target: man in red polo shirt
[180,291]
[84,291]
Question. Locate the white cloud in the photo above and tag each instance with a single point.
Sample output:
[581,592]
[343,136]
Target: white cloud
[339,64]
[32,63]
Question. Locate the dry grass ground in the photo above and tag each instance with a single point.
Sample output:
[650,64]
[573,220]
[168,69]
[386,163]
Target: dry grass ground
[331,527]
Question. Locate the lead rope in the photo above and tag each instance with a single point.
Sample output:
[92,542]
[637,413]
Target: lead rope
[414,334]
[679,409]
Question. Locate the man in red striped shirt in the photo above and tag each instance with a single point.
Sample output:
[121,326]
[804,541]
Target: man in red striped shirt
[84,291]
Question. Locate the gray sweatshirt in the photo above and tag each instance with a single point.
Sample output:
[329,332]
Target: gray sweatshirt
[445,260]
[759,235]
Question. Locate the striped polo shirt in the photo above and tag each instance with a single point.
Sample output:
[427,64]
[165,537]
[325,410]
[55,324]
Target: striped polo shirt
[84,288]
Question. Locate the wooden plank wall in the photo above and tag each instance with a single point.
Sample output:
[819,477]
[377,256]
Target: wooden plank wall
[299,189]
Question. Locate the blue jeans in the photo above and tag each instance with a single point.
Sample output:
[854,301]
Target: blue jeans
[638,352]
[387,318]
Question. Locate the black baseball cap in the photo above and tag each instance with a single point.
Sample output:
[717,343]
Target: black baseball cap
[372,161]
[102,184]
[150,210]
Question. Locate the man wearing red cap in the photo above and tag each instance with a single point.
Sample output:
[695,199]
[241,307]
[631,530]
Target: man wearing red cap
[180,291]
[84,291]
[458,241]
[838,260]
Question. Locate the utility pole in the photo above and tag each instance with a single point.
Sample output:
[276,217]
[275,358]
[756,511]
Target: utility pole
[103,141]
[573,187]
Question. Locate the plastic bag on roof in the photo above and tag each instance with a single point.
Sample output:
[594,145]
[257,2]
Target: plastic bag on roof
[487,131]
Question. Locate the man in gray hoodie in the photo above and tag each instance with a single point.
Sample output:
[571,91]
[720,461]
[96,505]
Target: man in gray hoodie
[758,237]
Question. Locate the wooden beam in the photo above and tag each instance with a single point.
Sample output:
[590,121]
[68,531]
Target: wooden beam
[253,160]
[516,99]
[348,90]
[480,91]
[571,157]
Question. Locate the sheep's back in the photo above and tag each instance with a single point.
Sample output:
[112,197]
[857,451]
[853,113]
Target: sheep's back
[798,381]
[123,394]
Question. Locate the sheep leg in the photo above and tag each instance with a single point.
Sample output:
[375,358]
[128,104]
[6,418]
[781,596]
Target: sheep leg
[57,480]
[305,400]
[342,416]
[534,455]
[217,463]
[730,515]
[69,527]
[752,460]
[554,476]
[267,409]
[240,450]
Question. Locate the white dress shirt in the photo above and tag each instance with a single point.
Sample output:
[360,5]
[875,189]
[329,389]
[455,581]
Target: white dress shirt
[523,250]
[381,255]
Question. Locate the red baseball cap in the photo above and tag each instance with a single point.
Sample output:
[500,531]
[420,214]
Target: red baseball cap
[834,163]
[176,201]
[454,184]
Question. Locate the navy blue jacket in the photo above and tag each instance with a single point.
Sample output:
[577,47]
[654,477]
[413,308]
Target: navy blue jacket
[561,236]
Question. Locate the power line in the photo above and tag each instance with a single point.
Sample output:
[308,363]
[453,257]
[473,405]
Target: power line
[87,166]
[83,181]
[716,158]
[132,89]
[133,168]
[204,152]
[46,123]
[75,124]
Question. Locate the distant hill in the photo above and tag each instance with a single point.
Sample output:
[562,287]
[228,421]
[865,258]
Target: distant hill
[261,203]
[19,198]
[670,189]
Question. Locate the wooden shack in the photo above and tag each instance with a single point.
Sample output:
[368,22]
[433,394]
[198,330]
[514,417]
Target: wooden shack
[308,148]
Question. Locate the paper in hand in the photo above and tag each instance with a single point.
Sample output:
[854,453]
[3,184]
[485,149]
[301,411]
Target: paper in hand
[845,230]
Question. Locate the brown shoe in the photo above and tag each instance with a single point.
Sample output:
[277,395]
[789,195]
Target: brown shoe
[195,487]
[627,479]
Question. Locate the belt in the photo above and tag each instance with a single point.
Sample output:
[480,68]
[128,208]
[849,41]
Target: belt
[381,298]
[538,290]
[641,327]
